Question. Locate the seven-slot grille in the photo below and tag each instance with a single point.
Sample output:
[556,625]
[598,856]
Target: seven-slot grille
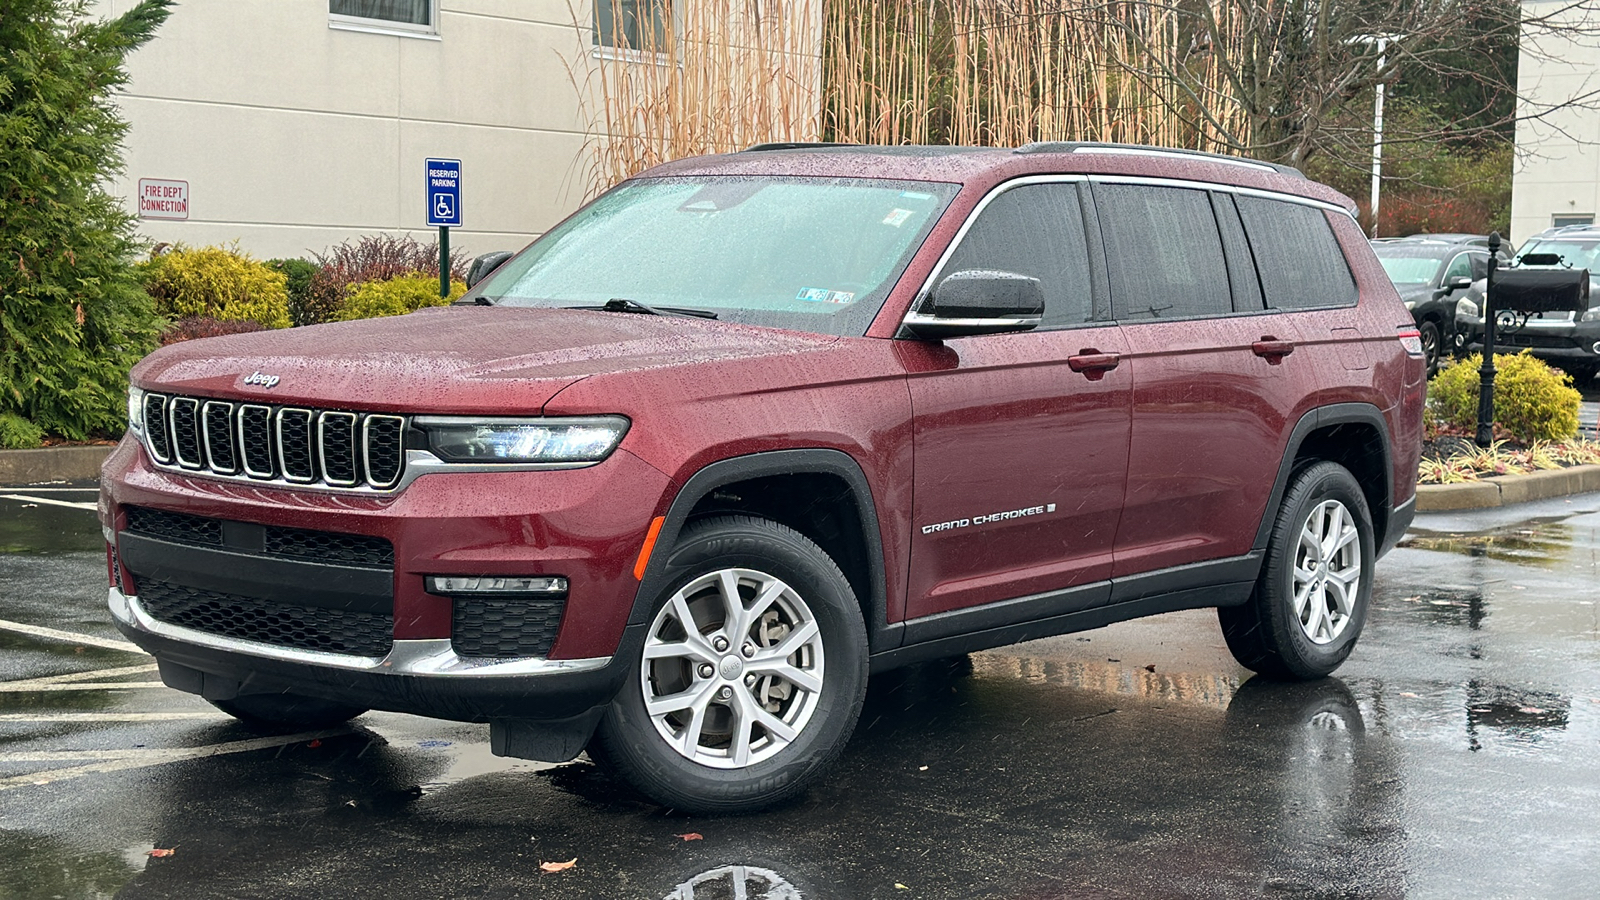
[275,443]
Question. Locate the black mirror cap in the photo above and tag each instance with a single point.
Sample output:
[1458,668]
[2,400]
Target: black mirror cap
[484,265]
[978,301]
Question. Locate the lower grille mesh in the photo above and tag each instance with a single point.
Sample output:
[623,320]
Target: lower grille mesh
[282,625]
[505,628]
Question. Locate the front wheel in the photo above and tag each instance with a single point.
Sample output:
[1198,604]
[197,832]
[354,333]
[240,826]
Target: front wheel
[1430,345]
[1311,598]
[751,676]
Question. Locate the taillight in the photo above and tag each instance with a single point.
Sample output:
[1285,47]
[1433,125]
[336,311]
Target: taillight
[1411,339]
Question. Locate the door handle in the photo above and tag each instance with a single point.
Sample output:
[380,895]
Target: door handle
[1092,363]
[1271,349]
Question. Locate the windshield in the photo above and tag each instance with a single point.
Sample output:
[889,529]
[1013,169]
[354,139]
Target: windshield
[816,255]
[1576,254]
[1410,264]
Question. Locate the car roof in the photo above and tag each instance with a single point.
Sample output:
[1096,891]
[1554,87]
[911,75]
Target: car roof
[984,166]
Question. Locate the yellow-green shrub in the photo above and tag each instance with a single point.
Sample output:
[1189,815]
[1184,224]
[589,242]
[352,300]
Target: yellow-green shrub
[395,297]
[1532,400]
[221,282]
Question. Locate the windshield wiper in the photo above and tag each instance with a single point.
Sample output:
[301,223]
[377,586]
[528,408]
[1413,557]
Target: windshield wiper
[623,304]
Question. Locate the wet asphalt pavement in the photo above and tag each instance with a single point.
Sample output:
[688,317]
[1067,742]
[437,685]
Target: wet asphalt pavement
[1457,754]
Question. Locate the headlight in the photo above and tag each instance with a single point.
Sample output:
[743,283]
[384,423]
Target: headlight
[1410,305]
[1467,307]
[576,440]
[1592,314]
[136,411]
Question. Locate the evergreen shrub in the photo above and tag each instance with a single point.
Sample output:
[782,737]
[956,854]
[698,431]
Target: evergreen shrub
[396,297]
[223,283]
[1532,400]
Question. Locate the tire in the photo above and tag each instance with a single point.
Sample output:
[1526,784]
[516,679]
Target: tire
[1430,345]
[1277,636]
[706,723]
[286,712]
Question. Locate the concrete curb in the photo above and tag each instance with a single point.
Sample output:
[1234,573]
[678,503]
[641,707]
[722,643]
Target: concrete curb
[18,467]
[1504,490]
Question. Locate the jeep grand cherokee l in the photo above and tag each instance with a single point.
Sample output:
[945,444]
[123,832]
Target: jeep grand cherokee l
[749,427]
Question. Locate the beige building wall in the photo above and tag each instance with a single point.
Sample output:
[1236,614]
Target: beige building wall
[295,133]
[1556,177]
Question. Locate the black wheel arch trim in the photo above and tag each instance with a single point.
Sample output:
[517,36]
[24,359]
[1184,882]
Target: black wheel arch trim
[1322,417]
[881,634]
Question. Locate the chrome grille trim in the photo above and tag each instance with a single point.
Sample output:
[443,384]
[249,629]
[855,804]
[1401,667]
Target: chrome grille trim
[184,429]
[247,442]
[335,430]
[222,457]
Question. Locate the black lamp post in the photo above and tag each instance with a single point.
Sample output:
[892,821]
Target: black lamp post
[1485,435]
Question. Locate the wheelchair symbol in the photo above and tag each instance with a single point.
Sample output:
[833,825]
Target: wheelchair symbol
[444,206]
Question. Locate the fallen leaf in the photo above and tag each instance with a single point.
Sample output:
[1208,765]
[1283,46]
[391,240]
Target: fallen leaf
[692,836]
[1150,668]
[1531,711]
[900,887]
[315,743]
[925,768]
[1407,694]
[159,852]
[558,867]
[1111,659]
[1411,599]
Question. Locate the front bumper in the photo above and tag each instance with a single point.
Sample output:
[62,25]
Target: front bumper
[1570,342]
[422,677]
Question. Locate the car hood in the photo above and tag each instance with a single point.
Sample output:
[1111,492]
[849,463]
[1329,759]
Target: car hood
[464,360]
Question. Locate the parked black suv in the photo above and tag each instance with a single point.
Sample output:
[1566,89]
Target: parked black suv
[1432,272]
[1568,340]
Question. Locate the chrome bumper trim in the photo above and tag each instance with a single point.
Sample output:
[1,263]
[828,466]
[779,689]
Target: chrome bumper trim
[433,658]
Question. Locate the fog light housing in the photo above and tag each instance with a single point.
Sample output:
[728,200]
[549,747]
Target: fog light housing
[495,585]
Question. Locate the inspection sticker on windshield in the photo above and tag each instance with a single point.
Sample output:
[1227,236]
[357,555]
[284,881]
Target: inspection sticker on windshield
[823,295]
[897,217]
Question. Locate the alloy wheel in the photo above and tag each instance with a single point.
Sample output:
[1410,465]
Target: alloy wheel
[1327,572]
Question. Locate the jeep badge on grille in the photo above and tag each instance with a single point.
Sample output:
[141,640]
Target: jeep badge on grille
[261,378]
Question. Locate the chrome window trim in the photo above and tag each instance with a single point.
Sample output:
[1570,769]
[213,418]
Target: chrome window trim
[277,434]
[172,433]
[322,448]
[366,449]
[244,458]
[432,658]
[926,289]
[205,436]
[165,426]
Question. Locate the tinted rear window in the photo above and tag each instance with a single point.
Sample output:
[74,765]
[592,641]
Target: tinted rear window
[1297,256]
[1163,252]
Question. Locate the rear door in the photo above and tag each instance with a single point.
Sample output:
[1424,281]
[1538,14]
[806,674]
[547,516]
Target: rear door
[1021,440]
[1216,374]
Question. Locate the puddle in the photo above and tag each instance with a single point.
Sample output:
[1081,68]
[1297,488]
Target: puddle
[1533,543]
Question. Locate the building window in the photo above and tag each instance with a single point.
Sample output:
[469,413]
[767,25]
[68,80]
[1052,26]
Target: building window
[1557,221]
[631,25]
[386,15]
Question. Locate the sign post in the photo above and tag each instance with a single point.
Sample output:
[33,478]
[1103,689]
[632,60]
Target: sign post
[444,210]
[1485,435]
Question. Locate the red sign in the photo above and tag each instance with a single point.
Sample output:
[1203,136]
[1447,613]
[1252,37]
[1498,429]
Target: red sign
[163,199]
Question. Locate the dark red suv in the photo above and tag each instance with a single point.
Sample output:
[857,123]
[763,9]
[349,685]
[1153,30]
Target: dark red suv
[748,427]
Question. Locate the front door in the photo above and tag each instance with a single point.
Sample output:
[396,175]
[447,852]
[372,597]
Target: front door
[1021,440]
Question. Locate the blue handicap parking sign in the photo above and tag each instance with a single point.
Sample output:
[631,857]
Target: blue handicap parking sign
[444,192]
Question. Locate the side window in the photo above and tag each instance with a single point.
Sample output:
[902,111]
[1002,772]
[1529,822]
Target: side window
[1297,256]
[1034,230]
[1163,252]
[639,25]
[1460,267]
[404,15]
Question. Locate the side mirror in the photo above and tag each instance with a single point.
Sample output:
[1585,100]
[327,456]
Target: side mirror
[1457,283]
[485,264]
[977,301]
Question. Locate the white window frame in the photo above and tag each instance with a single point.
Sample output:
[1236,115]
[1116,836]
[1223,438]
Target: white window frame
[389,26]
[601,50]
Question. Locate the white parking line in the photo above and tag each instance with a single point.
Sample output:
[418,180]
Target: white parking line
[49,502]
[119,760]
[12,688]
[53,490]
[115,717]
[55,634]
[90,675]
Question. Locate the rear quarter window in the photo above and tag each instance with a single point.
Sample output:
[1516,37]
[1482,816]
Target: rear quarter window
[1297,256]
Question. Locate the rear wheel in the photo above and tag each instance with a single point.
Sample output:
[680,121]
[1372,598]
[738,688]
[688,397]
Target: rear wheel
[751,676]
[1430,345]
[278,712]
[1311,598]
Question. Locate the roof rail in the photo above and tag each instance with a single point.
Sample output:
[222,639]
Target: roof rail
[1147,150]
[794,145]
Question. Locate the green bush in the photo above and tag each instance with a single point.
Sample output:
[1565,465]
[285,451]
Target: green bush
[73,319]
[1532,401]
[224,283]
[395,297]
[297,274]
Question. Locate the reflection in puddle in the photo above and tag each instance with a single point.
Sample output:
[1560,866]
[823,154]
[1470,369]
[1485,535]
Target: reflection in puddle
[1535,543]
[735,883]
[1205,689]
[1519,714]
[1449,606]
